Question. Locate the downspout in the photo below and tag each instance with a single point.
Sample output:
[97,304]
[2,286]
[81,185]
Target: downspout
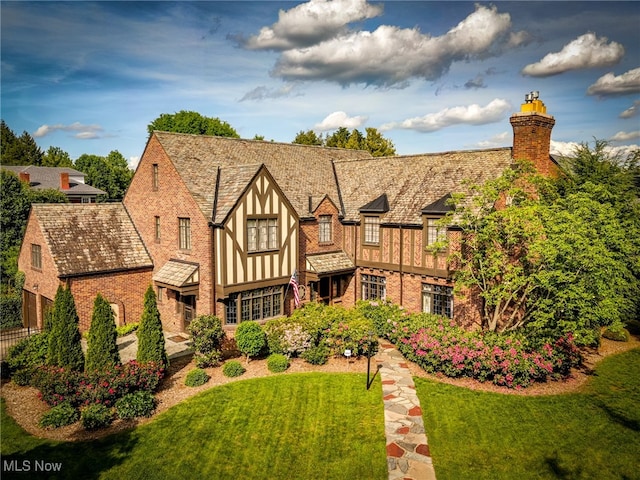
[401,261]
[212,236]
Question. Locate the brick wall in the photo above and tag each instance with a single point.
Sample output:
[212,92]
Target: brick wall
[170,201]
[532,140]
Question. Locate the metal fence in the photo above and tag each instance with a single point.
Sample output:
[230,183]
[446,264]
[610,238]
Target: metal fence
[11,336]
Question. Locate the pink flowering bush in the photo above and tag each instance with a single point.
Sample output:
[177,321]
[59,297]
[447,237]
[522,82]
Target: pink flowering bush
[58,385]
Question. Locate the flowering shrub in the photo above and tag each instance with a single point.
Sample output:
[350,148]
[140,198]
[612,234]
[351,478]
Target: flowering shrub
[58,385]
[356,335]
[382,314]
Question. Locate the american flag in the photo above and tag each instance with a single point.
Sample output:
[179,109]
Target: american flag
[293,282]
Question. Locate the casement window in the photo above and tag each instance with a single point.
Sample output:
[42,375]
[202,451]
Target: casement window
[374,287]
[36,256]
[257,304]
[262,234]
[185,233]
[160,293]
[437,299]
[157,228]
[371,230]
[155,179]
[435,232]
[324,229]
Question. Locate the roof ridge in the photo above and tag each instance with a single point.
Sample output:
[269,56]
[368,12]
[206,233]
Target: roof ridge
[418,155]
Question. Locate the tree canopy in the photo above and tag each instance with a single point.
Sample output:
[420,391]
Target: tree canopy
[192,122]
[111,173]
[21,150]
[65,347]
[373,141]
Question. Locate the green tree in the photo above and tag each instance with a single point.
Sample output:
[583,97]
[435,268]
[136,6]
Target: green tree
[111,173]
[308,138]
[337,139]
[151,347]
[56,157]
[377,145]
[374,142]
[102,349]
[250,338]
[21,150]
[192,122]
[64,349]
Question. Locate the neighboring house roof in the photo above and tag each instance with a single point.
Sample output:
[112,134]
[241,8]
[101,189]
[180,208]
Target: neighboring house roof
[95,238]
[49,177]
[301,171]
[412,182]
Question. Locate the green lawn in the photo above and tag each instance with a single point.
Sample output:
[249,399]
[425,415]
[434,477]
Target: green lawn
[299,426]
[594,434]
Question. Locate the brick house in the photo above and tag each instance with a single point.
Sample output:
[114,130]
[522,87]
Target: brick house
[69,181]
[93,249]
[226,222]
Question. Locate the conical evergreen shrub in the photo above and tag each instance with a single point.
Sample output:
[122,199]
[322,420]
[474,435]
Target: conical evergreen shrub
[64,349]
[102,349]
[150,336]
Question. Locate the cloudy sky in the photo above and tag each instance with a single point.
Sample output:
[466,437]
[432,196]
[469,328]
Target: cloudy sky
[432,76]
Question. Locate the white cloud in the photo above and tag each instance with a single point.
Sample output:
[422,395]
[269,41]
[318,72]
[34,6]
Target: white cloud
[336,120]
[568,149]
[390,55]
[632,111]
[609,84]
[625,136]
[499,140]
[83,131]
[474,114]
[586,51]
[565,149]
[262,92]
[133,162]
[310,23]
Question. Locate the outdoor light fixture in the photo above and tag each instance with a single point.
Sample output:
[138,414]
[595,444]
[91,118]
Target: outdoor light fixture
[347,353]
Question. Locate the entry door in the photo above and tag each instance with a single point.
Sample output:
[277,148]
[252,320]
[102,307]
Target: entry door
[30,310]
[188,310]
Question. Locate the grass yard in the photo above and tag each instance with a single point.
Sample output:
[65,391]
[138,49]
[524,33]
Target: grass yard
[298,426]
[594,434]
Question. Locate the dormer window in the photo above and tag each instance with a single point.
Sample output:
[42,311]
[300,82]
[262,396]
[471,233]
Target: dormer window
[433,214]
[371,214]
[372,230]
[435,232]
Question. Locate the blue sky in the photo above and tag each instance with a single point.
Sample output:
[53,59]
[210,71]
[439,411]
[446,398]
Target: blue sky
[432,76]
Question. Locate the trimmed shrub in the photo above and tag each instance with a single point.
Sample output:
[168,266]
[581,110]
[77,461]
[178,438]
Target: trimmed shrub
[59,416]
[123,330]
[151,346]
[207,336]
[318,355]
[27,355]
[96,416]
[616,334]
[134,405]
[102,349]
[277,363]
[65,349]
[233,368]
[10,311]
[196,377]
[250,338]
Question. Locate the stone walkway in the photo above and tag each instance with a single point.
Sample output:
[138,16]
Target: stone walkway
[408,455]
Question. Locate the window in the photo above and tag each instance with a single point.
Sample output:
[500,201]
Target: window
[160,293]
[85,200]
[185,233]
[154,177]
[157,229]
[36,256]
[372,230]
[324,229]
[435,232]
[437,299]
[373,287]
[262,234]
[257,304]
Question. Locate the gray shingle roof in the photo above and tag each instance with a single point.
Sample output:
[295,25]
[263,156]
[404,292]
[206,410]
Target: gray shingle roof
[91,238]
[49,177]
[414,181]
[301,171]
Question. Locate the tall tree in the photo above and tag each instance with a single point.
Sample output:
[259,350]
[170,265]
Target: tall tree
[111,173]
[21,150]
[102,349]
[308,138]
[151,345]
[64,349]
[186,121]
[56,157]
[337,139]
[377,145]
[374,142]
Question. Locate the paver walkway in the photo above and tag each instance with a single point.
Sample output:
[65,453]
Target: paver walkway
[408,455]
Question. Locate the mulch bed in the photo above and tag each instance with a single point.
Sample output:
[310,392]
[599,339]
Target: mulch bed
[26,408]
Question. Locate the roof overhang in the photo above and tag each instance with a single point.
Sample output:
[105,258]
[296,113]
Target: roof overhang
[179,275]
[325,264]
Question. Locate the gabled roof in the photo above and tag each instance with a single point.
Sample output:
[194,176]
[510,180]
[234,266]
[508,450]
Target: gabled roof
[92,238]
[233,180]
[413,181]
[301,171]
[178,273]
[49,177]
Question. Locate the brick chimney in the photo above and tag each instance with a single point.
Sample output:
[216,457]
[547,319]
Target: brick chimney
[64,181]
[25,177]
[532,135]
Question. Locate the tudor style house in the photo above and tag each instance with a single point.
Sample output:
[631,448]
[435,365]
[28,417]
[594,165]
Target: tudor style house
[226,223]
[69,181]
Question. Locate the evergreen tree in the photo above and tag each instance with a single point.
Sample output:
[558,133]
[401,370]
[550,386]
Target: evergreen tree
[102,349]
[64,349]
[150,336]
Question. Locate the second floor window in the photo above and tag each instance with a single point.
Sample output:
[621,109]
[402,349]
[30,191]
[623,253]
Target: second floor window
[372,230]
[435,232]
[157,229]
[262,234]
[324,229]
[36,256]
[154,177]
[185,233]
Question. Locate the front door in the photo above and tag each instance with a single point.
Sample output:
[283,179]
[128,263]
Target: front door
[188,310]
